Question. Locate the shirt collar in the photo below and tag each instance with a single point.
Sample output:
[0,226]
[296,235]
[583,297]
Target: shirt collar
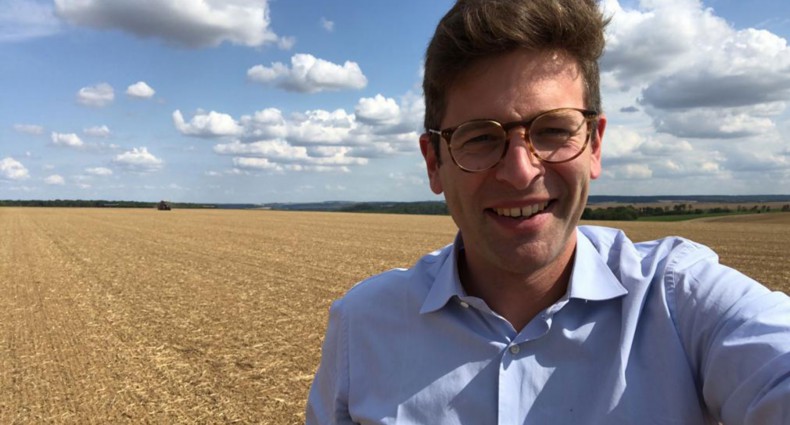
[591,278]
[447,283]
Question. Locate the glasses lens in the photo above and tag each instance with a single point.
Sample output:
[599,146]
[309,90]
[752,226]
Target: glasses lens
[558,135]
[478,145]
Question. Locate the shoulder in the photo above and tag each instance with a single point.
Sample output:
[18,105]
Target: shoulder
[648,259]
[688,274]
[403,287]
[608,241]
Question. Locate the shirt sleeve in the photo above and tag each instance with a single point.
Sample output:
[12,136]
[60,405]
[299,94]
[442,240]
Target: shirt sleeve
[737,336]
[327,403]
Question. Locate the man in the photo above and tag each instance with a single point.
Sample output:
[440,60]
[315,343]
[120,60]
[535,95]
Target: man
[527,318]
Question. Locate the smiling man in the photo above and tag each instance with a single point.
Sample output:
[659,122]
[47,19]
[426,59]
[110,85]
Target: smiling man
[527,317]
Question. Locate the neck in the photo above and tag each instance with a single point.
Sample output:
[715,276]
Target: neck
[519,297]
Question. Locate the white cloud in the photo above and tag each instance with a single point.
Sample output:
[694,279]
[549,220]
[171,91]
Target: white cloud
[280,152]
[633,171]
[722,123]
[265,124]
[706,106]
[140,90]
[665,148]
[708,80]
[256,164]
[55,180]
[138,159]
[100,95]
[321,127]
[309,74]
[378,110]
[190,23]
[11,169]
[620,141]
[29,129]
[314,140]
[25,19]
[67,139]
[328,25]
[212,124]
[97,131]
[99,171]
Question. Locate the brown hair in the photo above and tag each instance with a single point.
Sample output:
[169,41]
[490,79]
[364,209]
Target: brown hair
[477,29]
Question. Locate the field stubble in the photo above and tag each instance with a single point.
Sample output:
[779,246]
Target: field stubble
[112,316]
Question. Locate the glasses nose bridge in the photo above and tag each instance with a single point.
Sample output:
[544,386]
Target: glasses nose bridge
[523,134]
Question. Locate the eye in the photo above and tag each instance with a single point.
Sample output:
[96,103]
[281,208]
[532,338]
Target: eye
[481,138]
[478,135]
[554,133]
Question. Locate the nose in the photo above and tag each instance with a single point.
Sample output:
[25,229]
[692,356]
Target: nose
[519,167]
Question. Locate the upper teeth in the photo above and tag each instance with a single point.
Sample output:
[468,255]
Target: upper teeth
[523,211]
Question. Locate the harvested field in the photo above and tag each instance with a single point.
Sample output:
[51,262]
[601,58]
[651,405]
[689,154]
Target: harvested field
[140,316]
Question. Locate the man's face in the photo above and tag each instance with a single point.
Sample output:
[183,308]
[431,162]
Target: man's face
[516,86]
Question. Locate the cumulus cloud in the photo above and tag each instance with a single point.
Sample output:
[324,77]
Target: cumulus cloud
[711,123]
[26,19]
[97,131]
[189,23]
[706,89]
[140,90]
[313,140]
[211,124]
[264,124]
[99,171]
[70,140]
[308,74]
[29,129]
[708,104]
[378,110]
[262,164]
[320,127]
[11,169]
[138,159]
[100,95]
[55,180]
[706,69]
[629,172]
[621,142]
[281,152]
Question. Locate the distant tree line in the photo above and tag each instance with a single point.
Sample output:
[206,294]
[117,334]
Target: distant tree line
[427,208]
[629,212]
[78,203]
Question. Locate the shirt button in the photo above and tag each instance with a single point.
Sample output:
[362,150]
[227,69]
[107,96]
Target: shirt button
[514,349]
[464,304]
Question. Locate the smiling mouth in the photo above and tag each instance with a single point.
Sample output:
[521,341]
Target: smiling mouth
[522,212]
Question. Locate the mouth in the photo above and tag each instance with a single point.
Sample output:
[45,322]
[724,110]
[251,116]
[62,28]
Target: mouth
[526,211]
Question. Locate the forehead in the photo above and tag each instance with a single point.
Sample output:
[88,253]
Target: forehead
[515,85]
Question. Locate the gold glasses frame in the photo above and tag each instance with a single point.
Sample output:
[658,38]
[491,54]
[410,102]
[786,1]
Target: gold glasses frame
[447,134]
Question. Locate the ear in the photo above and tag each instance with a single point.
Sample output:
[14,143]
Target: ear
[595,148]
[432,163]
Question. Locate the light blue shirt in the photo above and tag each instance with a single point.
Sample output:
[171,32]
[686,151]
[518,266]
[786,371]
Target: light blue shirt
[650,333]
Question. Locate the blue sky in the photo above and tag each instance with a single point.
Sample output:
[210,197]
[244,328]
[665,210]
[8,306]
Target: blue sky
[302,100]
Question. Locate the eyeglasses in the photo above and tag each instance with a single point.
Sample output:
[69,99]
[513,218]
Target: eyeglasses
[555,136]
